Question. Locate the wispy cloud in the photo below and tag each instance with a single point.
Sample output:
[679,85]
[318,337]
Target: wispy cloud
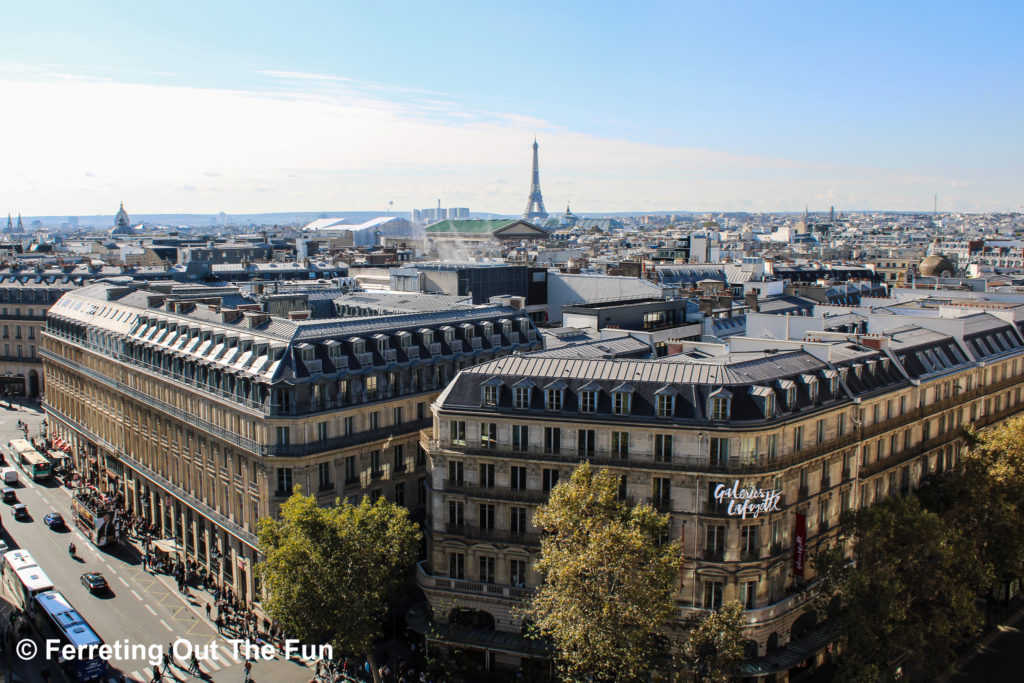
[312,142]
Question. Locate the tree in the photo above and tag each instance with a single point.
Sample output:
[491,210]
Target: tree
[329,571]
[609,580]
[715,643]
[910,589]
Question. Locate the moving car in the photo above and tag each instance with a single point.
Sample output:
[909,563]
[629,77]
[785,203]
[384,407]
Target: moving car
[10,475]
[10,495]
[54,520]
[20,511]
[94,582]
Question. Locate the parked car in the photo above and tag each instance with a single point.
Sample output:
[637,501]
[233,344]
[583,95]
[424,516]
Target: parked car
[20,511]
[54,520]
[94,582]
[10,495]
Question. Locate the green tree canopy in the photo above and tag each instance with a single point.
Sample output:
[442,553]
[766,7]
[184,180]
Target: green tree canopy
[910,589]
[715,643]
[329,571]
[609,581]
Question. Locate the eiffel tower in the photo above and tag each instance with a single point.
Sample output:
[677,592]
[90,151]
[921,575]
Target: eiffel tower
[535,204]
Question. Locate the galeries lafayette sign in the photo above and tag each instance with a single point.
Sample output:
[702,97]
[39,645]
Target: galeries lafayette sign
[747,501]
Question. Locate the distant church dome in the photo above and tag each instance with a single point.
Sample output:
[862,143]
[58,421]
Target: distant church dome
[936,264]
[122,224]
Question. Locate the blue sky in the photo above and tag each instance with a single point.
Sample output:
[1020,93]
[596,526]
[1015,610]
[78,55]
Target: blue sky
[261,106]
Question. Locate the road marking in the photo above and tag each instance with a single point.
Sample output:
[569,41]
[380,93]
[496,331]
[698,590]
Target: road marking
[79,534]
[123,581]
[137,596]
[165,625]
[151,610]
[111,568]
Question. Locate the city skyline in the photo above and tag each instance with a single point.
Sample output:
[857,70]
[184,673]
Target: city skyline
[333,109]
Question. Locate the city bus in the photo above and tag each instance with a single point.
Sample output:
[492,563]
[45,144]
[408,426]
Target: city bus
[96,523]
[56,618]
[34,463]
[24,579]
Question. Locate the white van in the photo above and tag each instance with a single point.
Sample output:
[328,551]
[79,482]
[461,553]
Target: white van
[10,476]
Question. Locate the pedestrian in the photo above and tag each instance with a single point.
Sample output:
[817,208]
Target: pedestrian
[248,672]
[220,621]
[156,675]
[207,610]
[193,665]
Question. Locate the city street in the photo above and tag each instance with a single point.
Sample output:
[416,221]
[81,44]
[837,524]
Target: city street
[140,608]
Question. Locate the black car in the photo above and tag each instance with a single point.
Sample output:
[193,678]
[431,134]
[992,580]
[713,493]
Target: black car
[94,582]
[54,520]
[10,495]
[20,511]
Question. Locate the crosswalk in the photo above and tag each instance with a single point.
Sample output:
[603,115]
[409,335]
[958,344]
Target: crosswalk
[225,658]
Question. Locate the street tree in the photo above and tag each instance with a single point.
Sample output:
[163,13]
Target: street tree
[329,571]
[609,579]
[908,591]
[714,644]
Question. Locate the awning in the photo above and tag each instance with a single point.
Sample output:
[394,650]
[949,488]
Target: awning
[167,545]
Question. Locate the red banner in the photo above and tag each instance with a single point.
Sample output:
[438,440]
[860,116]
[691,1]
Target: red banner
[799,544]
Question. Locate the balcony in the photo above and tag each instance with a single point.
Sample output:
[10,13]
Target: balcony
[494,492]
[803,492]
[477,533]
[713,554]
[428,581]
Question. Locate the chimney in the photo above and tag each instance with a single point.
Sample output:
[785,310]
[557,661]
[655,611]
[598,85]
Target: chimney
[154,300]
[298,315]
[752,302]
[725,301]
[707,306]
[254,320]
[230,315]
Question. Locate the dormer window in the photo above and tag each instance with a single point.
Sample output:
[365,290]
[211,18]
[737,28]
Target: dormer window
[788,388]
[665,401]
[382,344]
[720,404]
[490,396]
[622,399]
[812,387]
[553,399]
[521,393]
[588,401]
[765,399]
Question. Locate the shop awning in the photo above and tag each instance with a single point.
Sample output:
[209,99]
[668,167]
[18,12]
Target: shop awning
[167,545]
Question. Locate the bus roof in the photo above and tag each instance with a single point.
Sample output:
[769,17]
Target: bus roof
[31,574]
[67,618]
[22,445]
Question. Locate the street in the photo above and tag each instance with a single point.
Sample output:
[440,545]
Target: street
[140,608]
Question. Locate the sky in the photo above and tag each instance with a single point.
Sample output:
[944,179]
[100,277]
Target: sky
[200,107]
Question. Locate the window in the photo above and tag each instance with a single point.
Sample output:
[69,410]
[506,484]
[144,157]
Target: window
[517,572]
[517,520]
[283,436]
[520,437]
[552,440]
[820,431]
[396,415]
[400,493]
[553,399]
[455,472]
[719,408]
[662,493]
[456,565]
[662,448]
[487,569]
[457,432]
[748,542]
[666,405]
[712,594]
[375,469]
[798,438]
[371,387]
[812,390]
[399,458]
[549,479]
[620,444]
[517,478]
[350,470]
[350,425]
[790,396]
[841,425]
[375,424]
[621,402]
[588,401]
[522,397]
[284,481]
[456,514]
[488,435]
[321,431]
[775,535]
[719,453]
[325,476]
[714,542]
[587,441]
[490,395]
[487,516]
[748,594]
[487,475]
[772,449]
